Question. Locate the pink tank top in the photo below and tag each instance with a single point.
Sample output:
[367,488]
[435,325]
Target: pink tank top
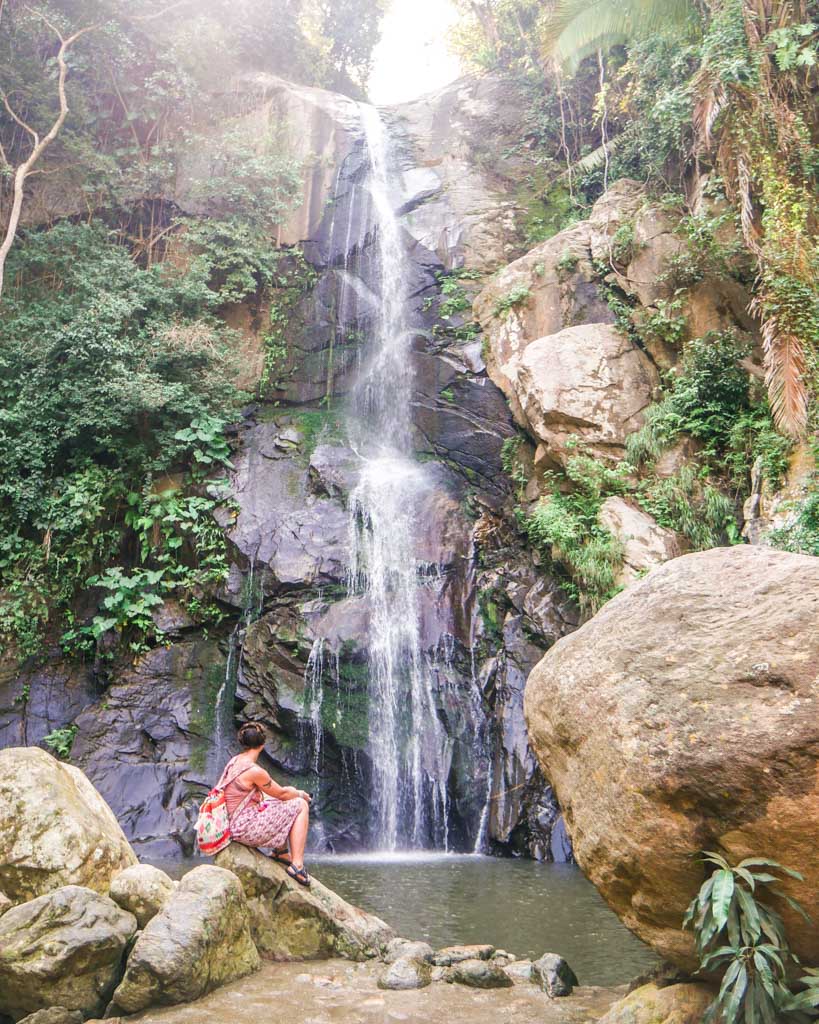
[235,792]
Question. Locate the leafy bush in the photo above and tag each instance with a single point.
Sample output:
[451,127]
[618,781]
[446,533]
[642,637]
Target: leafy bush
[802,535]
[737,932]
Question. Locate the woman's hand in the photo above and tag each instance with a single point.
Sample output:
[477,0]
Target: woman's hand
[304,795]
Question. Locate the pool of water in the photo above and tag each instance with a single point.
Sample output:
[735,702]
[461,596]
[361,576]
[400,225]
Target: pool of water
[518,905]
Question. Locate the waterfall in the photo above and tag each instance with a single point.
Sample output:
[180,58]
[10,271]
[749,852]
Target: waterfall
[406,740]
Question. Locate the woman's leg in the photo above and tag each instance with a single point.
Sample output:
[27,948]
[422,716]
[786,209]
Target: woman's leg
[298,834]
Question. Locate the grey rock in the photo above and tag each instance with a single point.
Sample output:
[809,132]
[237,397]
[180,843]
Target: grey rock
[154,735]
[554,975]
[450,955]
[5,903]
[54,1015]
[402,948]
[405,973]
[62,949]
[520,971]
[142,890]
[197,942]
[479,974]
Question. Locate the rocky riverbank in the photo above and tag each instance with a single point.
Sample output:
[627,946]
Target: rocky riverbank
[86,932]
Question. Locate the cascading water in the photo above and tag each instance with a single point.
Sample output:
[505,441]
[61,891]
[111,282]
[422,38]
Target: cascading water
[406,742]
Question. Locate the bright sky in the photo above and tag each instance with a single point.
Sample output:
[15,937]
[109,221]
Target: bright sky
[412,57]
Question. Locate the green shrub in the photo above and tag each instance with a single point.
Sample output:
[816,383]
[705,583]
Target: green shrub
[802,535]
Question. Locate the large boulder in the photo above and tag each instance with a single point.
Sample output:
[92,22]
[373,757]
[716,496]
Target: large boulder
[142,890]
[650,1004]
[290,922]
[55,828]
[62,949]
[199,941]
[590,382]
[685,716]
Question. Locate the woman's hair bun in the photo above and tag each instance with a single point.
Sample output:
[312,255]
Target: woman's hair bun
[252,735]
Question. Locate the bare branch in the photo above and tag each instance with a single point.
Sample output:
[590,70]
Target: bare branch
[162,13]
[25,169]
[19,120]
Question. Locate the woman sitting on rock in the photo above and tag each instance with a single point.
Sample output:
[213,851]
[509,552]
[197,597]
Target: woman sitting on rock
[279,820]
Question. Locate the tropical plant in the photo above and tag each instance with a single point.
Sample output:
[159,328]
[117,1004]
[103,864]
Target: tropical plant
[736,932]
[577,28]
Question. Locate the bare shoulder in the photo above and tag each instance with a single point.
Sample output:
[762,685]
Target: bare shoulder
[256,775]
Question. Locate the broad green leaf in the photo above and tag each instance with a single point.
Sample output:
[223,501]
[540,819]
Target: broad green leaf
[722,896]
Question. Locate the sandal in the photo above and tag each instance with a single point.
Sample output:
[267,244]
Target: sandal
[298,874]
[283,857]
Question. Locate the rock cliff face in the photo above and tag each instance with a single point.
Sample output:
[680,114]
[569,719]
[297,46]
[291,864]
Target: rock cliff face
[683,718]
[293,647]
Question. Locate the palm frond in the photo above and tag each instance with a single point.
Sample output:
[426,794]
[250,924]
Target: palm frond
[785,374]
[576,28]
[597,157]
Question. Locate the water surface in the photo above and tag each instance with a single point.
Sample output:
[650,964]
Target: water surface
[518,905]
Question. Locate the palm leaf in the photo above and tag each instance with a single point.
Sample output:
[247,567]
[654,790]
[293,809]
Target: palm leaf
[577,28]
[785,375]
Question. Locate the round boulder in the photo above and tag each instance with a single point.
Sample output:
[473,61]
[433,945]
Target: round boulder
[407,972]
[63,949]
[674,1004]
[142,890]
[479,974]
[685,717]
[55,828]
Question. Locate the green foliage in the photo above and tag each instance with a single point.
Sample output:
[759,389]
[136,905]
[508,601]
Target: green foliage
[737,932]
[110,375]
[565,526]
[512,463]
[128,603]
[802,533]
[514,297]
[61,741]
[795,46]
[704,400]
[253,179]
[692,506]
[712,248]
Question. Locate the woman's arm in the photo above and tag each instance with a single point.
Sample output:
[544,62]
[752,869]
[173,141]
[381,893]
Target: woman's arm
[259,777]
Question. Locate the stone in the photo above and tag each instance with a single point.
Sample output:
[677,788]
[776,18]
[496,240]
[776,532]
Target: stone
[591,383]
[479,974]
[5,903]
[142,890]
[54,1015]
[674,1004]
[645,543]
[520,971]
[407,972]
[685,717]
[62,949]
[197,942]
[291,922]
[554,975]
[450,955]
[55,828]
[407,948]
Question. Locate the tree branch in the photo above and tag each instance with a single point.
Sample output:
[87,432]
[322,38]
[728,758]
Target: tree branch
[40,144]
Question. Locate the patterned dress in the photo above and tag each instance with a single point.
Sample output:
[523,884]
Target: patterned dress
[262,821]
